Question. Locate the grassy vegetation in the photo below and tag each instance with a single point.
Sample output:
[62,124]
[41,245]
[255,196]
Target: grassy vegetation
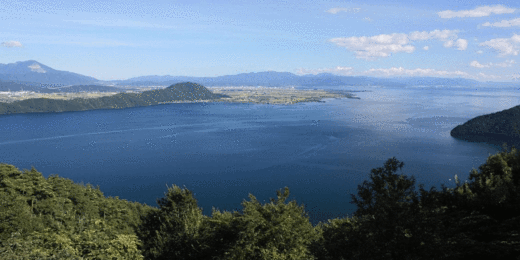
[55,218]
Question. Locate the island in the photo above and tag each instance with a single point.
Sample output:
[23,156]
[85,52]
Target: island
[496,128]
[31,102]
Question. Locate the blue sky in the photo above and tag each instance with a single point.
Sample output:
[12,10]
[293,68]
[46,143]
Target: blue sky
[122,39]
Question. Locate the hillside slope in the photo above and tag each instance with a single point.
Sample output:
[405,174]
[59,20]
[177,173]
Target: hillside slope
[495,128]
[33,71]
[179,92]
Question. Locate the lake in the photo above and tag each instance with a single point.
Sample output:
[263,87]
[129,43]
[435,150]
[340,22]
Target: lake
[224,151]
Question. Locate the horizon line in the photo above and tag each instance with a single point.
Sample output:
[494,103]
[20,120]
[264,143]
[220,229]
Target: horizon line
[295,74]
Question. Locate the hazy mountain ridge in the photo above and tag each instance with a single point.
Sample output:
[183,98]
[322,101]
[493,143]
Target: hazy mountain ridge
[33,73]
[10,86]
[6,86]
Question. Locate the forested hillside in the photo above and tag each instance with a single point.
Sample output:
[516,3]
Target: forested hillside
[55,218]
[179,92]
[494,128]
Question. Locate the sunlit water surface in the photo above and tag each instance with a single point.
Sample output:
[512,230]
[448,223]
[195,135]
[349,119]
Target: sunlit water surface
[223,152]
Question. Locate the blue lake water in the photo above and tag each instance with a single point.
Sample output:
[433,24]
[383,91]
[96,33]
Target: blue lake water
[224,151]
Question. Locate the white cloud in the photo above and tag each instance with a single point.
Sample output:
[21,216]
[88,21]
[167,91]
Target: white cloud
[383,45]
[426,48]
[340,9]
[414,72]
[487,76]
[461,44]
[10,44]
[507,63]
[435,34]
[480,52]
[374,47]
[477,12]
[36,68]
[337,70]
[504,46]
[448,44]
[504,23]
[476,64]
[367,19]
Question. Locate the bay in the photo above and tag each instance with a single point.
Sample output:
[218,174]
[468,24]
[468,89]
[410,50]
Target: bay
[224,151]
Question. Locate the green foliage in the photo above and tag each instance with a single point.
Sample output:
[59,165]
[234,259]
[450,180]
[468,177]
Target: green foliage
[389,218]
[338,239]
[387,193]
[275,230]
[54,218]
[173,231]
[493,189]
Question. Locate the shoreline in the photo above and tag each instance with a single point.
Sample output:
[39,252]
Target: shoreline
[256,95]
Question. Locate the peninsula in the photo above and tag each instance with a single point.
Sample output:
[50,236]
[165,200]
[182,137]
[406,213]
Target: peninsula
[179,92]
[31,102]
[496,128]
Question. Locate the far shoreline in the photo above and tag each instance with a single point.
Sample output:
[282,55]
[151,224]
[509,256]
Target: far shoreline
[252,95]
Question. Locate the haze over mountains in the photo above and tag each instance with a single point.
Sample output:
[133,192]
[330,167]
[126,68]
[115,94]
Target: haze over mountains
[34,72]
[32,75]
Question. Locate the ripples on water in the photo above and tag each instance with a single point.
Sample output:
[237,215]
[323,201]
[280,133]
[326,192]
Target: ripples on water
[222,152]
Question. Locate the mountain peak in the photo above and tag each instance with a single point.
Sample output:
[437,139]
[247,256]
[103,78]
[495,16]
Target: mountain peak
[34,71]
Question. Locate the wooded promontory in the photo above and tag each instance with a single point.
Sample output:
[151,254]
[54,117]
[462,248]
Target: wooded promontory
[496,128]
[186,91]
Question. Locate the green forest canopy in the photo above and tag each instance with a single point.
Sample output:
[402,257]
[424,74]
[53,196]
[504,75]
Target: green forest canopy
[55,218]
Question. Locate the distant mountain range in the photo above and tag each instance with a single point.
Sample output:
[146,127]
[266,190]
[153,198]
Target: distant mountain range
[6,86]
[35,72]
[36,75]
[279,79]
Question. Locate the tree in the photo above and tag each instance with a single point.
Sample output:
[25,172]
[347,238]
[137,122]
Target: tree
[173,231]
[54,218]
[389,216]
[275,230]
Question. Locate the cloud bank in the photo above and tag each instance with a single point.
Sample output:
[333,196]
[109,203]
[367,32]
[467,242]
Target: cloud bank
[11,44]
[507,63]
[414,72]
[504,23]
[340,9]
[383,45]
[390,72]
[337,70]
[477,12]
[460,44]
[504,46]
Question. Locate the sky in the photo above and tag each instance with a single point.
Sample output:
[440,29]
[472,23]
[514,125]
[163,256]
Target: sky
[116,39]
